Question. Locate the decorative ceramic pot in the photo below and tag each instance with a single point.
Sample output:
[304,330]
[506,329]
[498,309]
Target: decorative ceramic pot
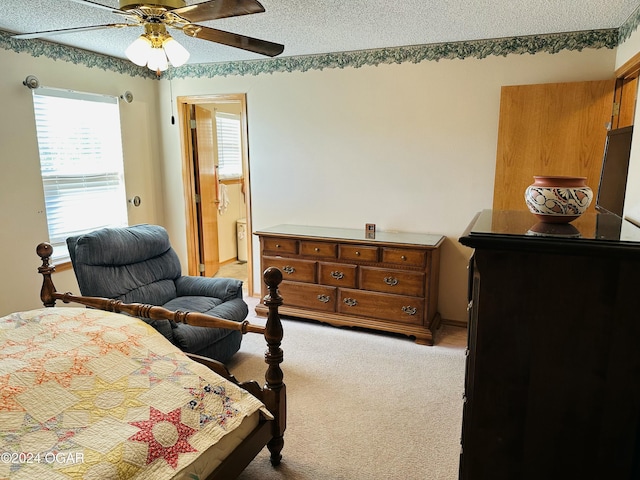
[556,199]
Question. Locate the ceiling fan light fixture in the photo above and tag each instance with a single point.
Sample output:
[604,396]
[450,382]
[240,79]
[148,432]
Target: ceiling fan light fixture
[139,51]
[176,53]
[157,60]
[156,49]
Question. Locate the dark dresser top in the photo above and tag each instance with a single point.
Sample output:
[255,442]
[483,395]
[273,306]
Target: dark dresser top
[592,233]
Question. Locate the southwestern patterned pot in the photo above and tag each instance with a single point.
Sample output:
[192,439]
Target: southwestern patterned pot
[557,199]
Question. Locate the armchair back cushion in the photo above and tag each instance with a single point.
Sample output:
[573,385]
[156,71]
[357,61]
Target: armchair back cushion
[132,264]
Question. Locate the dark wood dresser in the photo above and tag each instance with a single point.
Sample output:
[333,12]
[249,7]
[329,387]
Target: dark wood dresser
[341,277]
[552,387]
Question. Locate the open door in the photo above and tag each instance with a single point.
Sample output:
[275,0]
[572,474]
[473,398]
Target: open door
[206,190]
[550,129]
[208,228]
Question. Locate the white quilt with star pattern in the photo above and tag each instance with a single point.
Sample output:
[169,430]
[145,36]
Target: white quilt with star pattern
[86,394]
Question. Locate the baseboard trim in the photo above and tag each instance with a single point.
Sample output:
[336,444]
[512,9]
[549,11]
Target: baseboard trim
[227,262]
[454,323]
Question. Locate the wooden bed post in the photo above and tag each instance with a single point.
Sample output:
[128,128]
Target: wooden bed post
[44,251]
[275,389]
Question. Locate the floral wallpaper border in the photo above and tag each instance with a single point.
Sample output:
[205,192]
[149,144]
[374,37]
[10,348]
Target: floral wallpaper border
[54,51]
[628,27]
[550,43]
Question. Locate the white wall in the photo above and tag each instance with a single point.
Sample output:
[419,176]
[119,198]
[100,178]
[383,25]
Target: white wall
[632,199]
[409,147]
[22,216]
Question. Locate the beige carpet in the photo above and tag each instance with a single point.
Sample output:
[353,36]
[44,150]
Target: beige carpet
[362,405]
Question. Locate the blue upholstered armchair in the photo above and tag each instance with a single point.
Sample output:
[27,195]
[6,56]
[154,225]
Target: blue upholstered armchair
[137,264]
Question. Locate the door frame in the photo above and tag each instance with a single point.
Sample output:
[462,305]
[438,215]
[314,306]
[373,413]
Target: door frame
[188,174]
[627,77]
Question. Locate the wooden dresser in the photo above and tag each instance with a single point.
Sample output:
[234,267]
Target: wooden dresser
[552,385]
[340,277]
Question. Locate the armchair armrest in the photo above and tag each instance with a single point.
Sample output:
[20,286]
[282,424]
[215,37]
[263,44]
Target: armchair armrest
[223,288]
[235,309]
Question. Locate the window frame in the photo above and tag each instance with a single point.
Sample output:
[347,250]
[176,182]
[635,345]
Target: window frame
[81,163]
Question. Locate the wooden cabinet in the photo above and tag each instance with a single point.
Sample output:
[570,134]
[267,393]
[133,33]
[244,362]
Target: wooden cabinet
[340,277]
[552,386]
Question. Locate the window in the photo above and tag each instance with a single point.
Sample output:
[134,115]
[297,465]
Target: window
[81,163]
[229,146]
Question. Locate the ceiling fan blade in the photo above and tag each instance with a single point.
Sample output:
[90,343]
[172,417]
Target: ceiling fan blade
[214,9]
[238,41]
[99,5]
[48,33]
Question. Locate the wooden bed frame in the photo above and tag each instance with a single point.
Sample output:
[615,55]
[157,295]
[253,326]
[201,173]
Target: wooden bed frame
[269,432]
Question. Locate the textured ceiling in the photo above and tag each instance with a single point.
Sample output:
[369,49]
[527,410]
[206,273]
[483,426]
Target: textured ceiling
[324,26]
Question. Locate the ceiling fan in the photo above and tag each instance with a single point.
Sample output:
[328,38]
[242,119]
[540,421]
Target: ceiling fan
[155,48]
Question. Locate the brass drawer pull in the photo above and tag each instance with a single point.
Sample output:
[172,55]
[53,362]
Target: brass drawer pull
[350,302]
[391,281]
[357,254]
[403,257]
[410,310]
[317,249]
[337,275]
[277,245]
[288,269]
[324,298]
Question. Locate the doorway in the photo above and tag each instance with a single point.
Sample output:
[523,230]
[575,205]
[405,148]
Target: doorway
[217,186]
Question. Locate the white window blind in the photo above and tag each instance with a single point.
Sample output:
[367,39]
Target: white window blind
[81,163]
[229,146]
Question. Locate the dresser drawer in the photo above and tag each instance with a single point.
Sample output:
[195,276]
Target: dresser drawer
[362,253]
[337,274]
[305,295]
[292,268]
[392,281]
[383,306]
[280,245]
[318,249]
[404,256]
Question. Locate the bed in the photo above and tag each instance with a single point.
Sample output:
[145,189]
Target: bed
[98,393]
